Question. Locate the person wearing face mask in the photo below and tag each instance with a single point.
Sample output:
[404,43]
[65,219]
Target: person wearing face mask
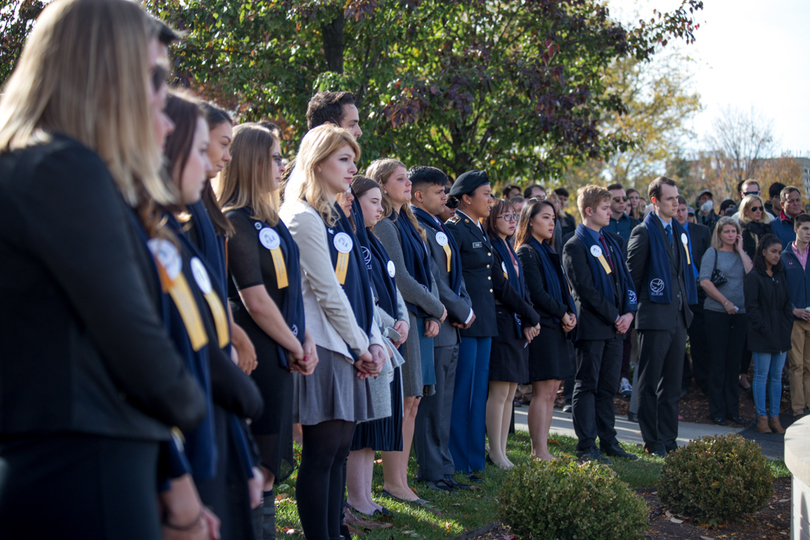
[783,226]
[339,311]
[704,204]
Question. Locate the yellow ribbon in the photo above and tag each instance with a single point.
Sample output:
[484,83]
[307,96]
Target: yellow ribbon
[281,268]
[605,264]
[181,295]
[342,267]
[449,254]
[220,318]
[686,249]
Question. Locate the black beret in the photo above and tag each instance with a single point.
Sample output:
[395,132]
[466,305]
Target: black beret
[469,182]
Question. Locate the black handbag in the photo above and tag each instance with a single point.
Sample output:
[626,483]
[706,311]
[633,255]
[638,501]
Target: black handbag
[718,278]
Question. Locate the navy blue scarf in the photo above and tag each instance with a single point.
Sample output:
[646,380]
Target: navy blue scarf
[292,306]
[414,251]
[212,246]
[659,284]
[553,275]
[378,263]
[456,275]
[601,279]
[356,286]
[515,280]
[200,445]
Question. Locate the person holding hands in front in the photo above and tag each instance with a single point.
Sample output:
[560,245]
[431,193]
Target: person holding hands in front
[606,298]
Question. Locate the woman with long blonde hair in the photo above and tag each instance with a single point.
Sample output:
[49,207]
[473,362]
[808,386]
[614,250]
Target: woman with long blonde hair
[266,294]
[91,381]
[339,307]
[404,240]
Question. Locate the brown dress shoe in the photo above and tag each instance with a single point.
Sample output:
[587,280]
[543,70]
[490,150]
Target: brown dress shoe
[762,424]
[776,425]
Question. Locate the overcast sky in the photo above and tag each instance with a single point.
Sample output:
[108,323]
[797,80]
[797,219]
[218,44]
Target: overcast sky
[750,53]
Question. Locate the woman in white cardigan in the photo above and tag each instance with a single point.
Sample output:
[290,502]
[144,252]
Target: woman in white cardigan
[339,315]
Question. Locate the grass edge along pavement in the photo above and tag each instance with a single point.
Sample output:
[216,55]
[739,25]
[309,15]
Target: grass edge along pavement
[452,515]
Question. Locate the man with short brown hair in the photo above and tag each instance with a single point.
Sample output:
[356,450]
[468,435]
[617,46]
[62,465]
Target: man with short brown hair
[606,301]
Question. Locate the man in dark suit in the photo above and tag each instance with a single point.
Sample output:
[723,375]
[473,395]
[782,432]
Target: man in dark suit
[662,269]
[700,239]
[606,303]
[432,430]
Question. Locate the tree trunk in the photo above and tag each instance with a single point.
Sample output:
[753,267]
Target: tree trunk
[333,43]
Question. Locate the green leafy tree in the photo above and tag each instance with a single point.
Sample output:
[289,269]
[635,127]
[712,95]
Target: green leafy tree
[516,87]
[16,20]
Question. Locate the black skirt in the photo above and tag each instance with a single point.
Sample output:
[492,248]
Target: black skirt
[550,355]
[383,434]
[509,359]
[273,429]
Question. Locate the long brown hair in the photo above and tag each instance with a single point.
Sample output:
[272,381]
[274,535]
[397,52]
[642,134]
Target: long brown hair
[184,112]
[500,206]
[523,234]
[215,117]
[245,180]
[381,170]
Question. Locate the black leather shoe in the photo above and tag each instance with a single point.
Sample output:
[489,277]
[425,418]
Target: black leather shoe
[439,485]
[632,417]
[658,452]
[567,407]
[720,421]
[450,481]
[739,420]
[474,478]
[592,454]
[617,451]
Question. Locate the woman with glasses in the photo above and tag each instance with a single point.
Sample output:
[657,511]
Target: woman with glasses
[518,323]
[755,223]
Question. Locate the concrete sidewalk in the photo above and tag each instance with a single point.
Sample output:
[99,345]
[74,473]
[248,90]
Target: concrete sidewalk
[629,431]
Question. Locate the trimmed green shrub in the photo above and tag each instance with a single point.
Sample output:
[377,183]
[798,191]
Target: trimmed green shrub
[716,479]
[543,500]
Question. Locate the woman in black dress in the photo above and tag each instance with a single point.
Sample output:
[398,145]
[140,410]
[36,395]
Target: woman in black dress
[549,360]
[265,291]
[518,324]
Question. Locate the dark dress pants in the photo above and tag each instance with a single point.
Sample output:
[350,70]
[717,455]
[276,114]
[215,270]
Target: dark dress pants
[598,366]
[725,347]
[699,347]
[468,428]
[660,365]
[431,438]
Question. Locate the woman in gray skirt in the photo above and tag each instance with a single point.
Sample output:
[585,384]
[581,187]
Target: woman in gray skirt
[404,240]
[339,314]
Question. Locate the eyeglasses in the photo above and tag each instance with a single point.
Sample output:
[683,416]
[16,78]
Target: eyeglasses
[277,158]
[619,199]
[756,209]
[750,192]
[509,218]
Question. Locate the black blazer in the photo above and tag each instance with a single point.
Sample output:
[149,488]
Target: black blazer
[544,304]
[652,315]
[701,237]
[82,348]
[597,314]
[458,305]
[510,297]
[476,260]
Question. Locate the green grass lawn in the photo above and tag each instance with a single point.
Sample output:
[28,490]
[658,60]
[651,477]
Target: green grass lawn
[463,511]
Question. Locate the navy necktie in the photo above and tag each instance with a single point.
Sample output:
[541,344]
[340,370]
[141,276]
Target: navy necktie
[668,228]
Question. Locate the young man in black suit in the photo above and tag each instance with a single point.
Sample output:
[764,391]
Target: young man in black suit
[606,301]
[432,432]
[659,259]
[700,238]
